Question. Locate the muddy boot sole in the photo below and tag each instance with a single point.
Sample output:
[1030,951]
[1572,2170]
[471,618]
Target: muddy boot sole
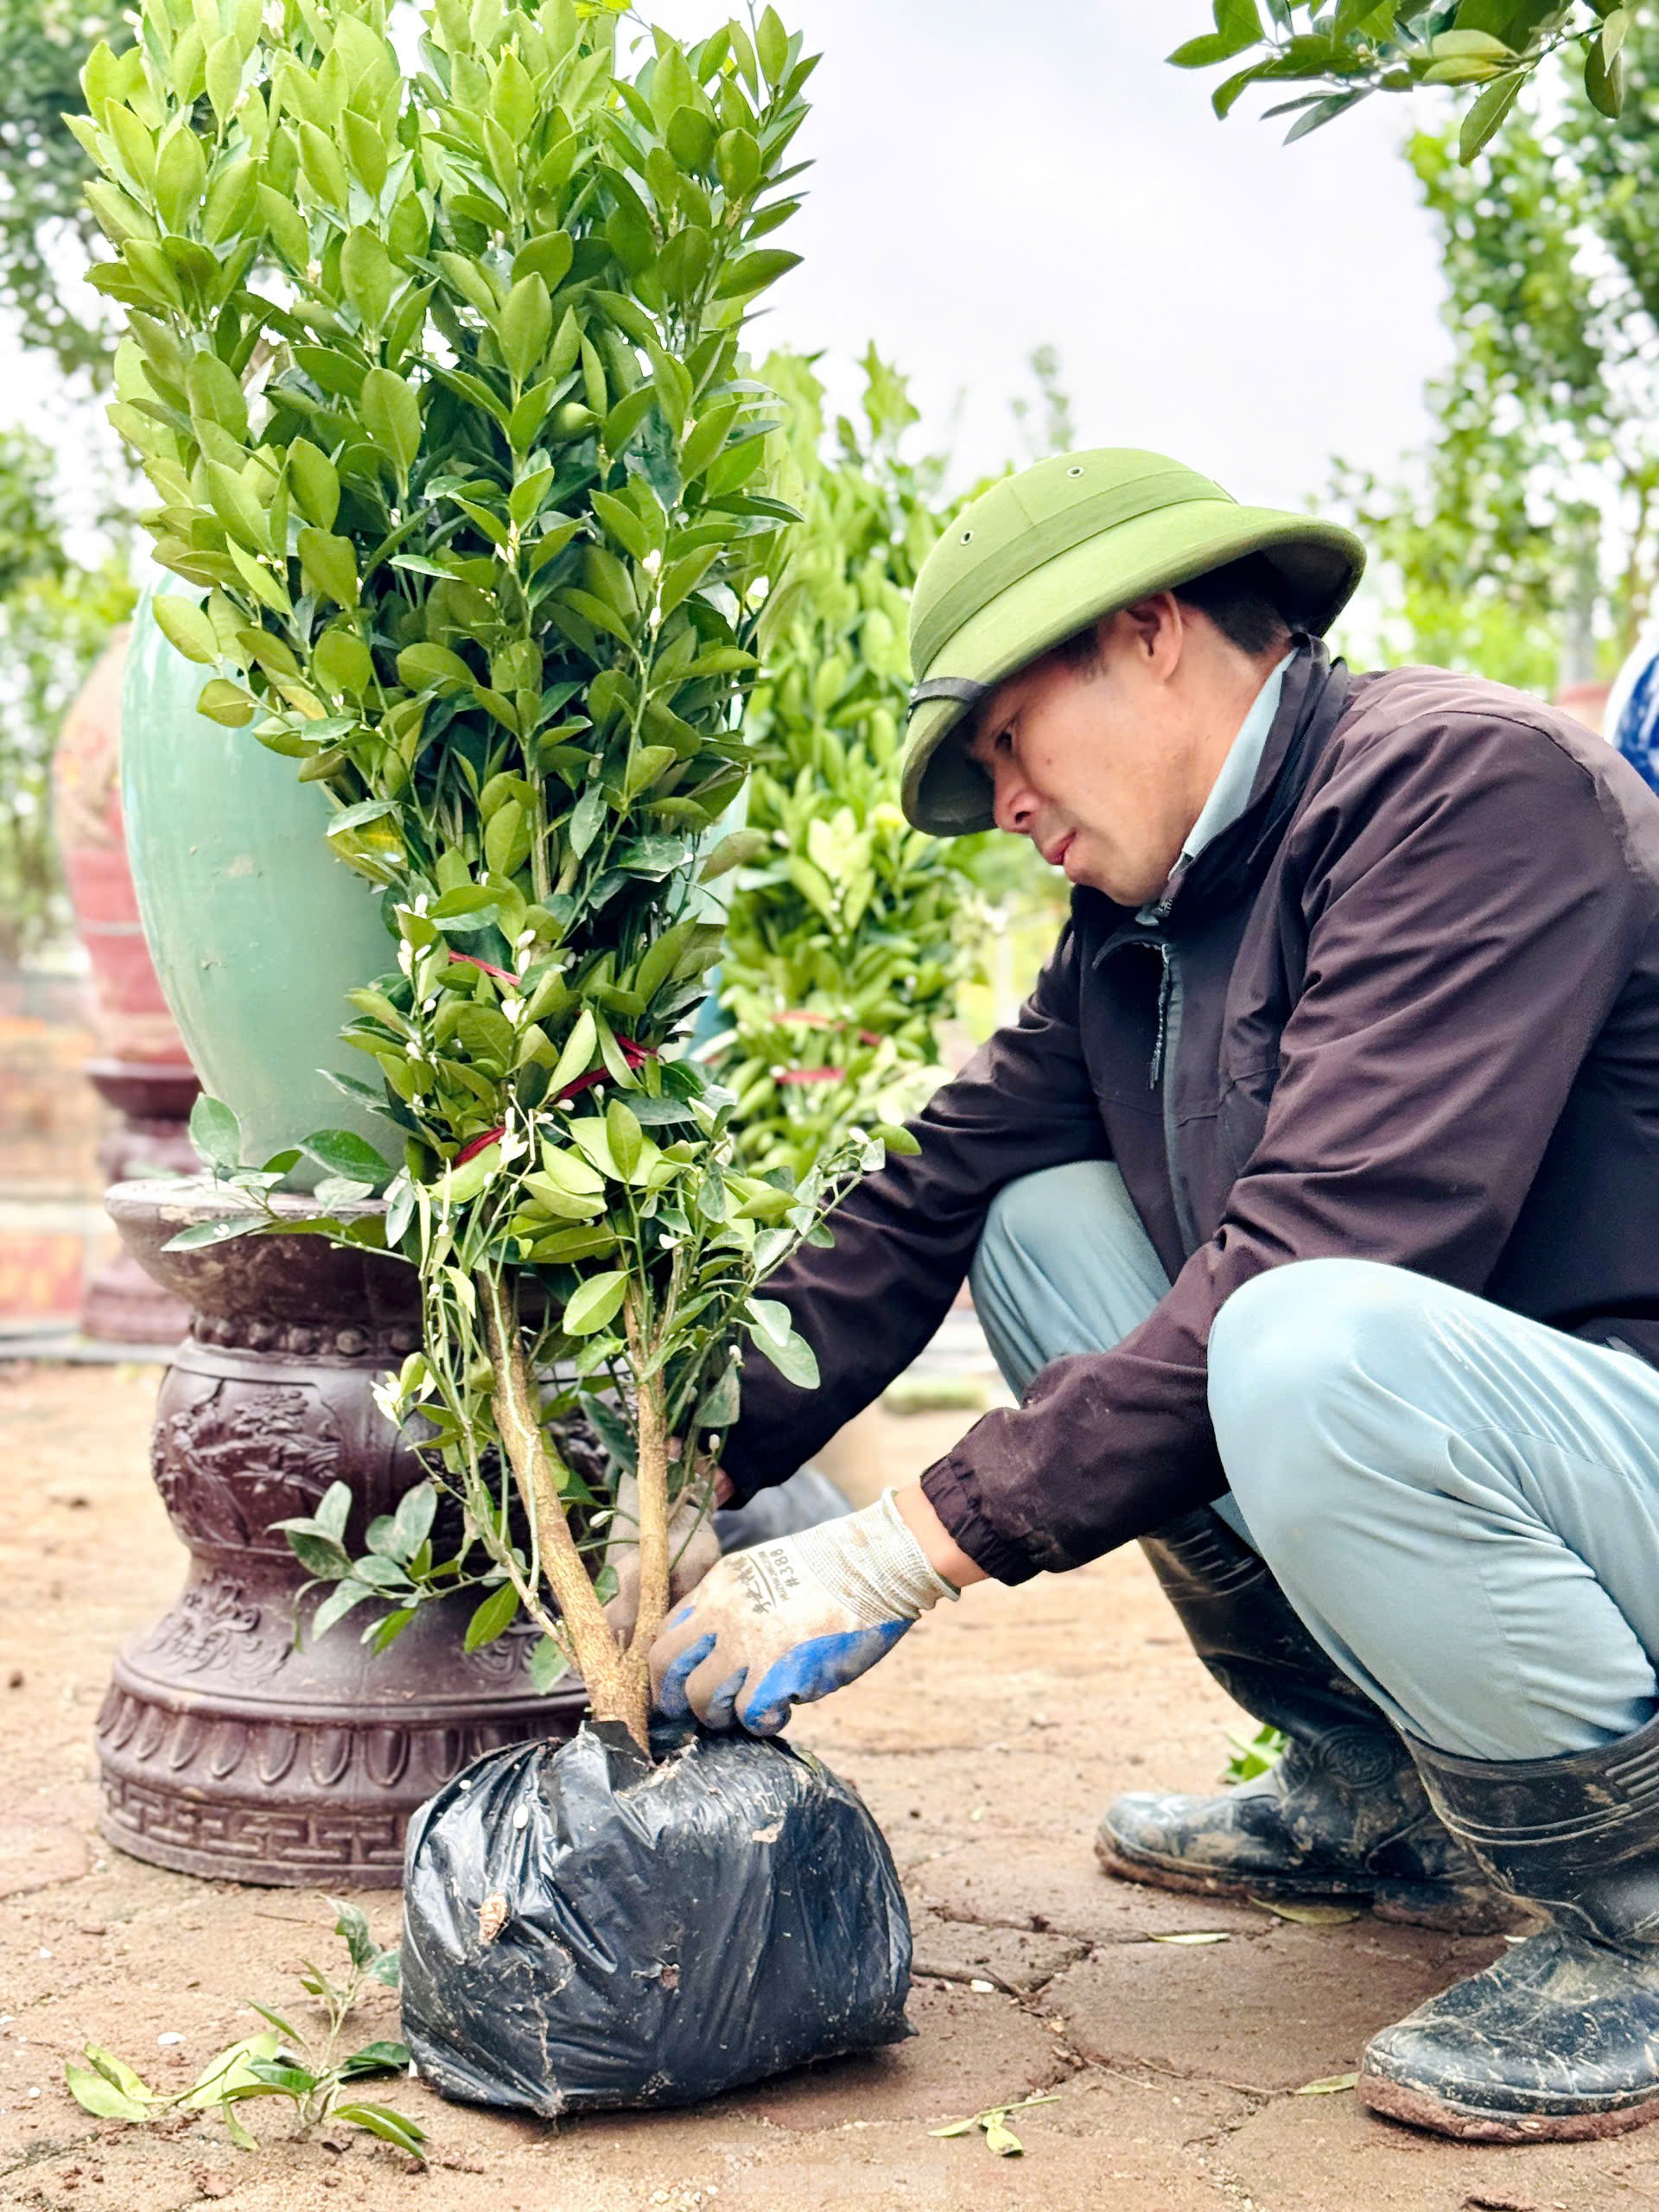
[1414,1905]
[1418,2107]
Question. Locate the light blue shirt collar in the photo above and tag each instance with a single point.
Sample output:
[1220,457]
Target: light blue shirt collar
[1230,792]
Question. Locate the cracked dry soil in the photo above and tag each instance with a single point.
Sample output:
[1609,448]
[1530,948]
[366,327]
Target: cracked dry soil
[985,1745]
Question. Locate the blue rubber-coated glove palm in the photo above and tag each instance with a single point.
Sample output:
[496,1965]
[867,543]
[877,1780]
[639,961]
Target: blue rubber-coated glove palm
[788,1622]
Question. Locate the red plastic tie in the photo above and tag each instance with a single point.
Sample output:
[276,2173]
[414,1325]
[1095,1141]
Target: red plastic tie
[472,960]
[635,1055]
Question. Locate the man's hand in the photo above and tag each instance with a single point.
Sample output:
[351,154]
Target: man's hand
[788,1622]
[693,1548]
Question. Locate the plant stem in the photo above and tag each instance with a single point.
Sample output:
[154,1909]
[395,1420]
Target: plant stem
[651,1474]
[615,1692]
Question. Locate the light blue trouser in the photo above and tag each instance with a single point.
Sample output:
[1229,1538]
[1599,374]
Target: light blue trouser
[1463,1506]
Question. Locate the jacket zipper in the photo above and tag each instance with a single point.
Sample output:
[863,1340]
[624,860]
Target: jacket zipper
[1164,1052]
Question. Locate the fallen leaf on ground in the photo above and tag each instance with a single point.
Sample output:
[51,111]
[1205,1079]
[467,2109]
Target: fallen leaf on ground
[1193,1935]
[1331,2086]
[993,2123]
[1315,1913]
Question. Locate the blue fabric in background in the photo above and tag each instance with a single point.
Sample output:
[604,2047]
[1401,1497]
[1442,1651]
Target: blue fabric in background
[1635,728]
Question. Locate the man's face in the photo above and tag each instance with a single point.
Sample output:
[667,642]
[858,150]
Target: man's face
[1098,764]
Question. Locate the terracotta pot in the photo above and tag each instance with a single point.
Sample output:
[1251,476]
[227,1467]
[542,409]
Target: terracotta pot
[224,1749]
[256,930]
[1585,702]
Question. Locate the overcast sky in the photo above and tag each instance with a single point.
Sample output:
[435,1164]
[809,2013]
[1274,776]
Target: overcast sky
[992,175]
[995,175]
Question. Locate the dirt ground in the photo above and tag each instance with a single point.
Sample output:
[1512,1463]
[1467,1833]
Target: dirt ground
[985,1745]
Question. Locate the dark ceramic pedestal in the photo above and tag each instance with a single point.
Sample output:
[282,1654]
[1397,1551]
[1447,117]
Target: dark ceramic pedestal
[121,1304]
[225,1751]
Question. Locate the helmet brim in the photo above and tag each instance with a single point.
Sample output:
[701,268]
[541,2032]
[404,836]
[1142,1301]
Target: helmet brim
[1319,564]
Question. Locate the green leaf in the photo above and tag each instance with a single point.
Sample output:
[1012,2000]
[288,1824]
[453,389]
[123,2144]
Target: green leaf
[391,2127]
[594,1306]
[334,1508]
[181,176]
[215,1132]
[201,1233]
[1332,2085]
[457,1185]
[100,2097]
[116,2071]
[735,851]
[342,1152]
[391,415]
[186,626]
[330,565]
[897,1140]
[525,326]
[569,1170]
[1486,113]
[350,1924]
[547,256]
[424,667]
[343,1598]
[549,1664]
[324,170]
[626,1138]
[754,272]
[412,1522]
[232,2073]
[577,1057]
[794,1358]
[1604,80]
[1463,45]
[316,487]
[365,271]
[215,394]
[226,703]
[383,2057]
[772,45]
[492,1618]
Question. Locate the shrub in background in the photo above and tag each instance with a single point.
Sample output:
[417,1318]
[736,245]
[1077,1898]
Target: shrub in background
[850,934]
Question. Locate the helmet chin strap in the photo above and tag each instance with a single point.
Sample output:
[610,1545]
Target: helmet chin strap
[962,689]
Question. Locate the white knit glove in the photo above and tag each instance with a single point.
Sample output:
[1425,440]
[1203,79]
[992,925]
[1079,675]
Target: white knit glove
[790,1621]
[693,1548]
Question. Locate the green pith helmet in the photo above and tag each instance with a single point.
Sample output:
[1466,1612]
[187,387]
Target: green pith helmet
[1043,554]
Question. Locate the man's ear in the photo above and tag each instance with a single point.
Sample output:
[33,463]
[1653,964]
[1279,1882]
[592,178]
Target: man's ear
[1154,633]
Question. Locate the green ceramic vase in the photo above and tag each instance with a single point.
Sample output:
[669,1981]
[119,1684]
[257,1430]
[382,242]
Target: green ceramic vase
[256,930]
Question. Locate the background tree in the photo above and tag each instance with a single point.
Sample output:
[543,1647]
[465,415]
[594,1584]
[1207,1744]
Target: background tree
[1347,49]
[54,617]
[48,235]
[1525,543]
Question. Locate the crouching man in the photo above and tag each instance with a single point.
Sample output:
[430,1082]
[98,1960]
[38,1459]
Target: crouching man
[1311,1209]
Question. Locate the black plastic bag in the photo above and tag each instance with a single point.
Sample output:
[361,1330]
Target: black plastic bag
[584,1930]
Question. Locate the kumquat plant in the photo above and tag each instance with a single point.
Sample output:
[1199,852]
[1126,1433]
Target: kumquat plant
[434,368]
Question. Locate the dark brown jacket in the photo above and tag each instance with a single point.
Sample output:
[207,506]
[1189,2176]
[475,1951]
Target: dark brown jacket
[1408,1006]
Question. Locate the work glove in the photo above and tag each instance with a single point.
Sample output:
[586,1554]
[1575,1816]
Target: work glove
[693,1548]
[790,1621]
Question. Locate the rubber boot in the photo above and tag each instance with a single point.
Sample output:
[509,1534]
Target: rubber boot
[1343,1814]
[1559,2039]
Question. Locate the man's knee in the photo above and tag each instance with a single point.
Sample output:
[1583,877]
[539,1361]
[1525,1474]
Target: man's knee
[1295,1355]
[1037,1214]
